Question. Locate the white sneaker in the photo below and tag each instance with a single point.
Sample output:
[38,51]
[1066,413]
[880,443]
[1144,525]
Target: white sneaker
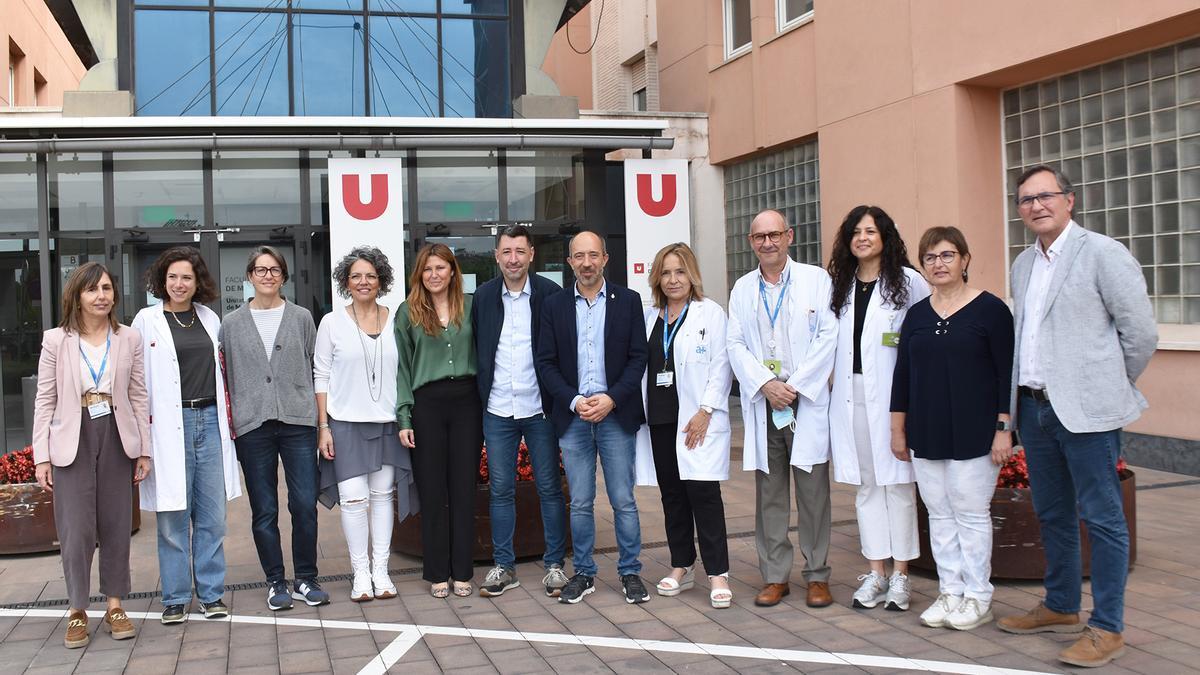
[384,588]
[897,593]
[935,616]
[360,588]
[969,614]
[873,590]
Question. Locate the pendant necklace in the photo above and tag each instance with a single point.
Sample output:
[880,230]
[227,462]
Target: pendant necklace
[375,352]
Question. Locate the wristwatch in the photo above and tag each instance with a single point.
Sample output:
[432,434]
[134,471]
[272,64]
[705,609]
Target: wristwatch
[706,409]
[1004,425]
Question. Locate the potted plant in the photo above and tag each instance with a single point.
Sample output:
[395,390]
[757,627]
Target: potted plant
[528,537]
[27,511]
[1017,551]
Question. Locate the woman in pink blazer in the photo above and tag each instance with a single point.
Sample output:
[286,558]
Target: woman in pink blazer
[91,440]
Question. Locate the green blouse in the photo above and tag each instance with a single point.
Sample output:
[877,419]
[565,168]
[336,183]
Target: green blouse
[425,358]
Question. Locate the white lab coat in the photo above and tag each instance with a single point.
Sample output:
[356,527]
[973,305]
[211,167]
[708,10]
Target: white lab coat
[813,339]
[166,487]
[702,377]
[878,364]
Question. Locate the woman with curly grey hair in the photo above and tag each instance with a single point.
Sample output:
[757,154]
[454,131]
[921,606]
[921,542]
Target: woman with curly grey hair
[362,460]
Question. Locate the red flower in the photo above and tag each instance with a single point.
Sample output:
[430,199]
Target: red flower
[17,466]
[524,464]
[1015,472]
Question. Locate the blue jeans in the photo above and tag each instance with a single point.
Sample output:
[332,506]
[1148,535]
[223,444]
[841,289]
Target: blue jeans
[503,435]
[580,446]
[260,452]
[1073,475]
[191,542]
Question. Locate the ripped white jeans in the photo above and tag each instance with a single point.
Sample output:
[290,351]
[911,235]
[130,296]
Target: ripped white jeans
[371,492]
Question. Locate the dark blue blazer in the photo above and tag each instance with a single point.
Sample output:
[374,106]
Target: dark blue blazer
[624,355]
[487,319]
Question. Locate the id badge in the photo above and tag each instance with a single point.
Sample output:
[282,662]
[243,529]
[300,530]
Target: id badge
[99,409]
[665,379]
[773,365]
[891,340]
[783,418]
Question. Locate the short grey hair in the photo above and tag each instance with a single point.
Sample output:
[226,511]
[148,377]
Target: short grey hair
[371,254]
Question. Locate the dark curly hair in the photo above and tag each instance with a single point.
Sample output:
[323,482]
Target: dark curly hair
[378,260]
[156,276]
[843,264]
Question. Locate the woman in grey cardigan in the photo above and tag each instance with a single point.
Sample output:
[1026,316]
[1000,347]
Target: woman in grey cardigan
[268,347]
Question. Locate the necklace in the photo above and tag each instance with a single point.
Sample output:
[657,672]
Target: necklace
[866,285]
[951,305]
[375,352]
[181,324]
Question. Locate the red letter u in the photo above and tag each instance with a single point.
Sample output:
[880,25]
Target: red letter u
[661,207]
[352,198]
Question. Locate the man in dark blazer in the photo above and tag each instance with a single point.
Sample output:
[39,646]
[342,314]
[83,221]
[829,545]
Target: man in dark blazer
[505,317]
[591,359]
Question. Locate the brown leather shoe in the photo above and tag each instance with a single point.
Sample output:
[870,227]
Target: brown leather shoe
[1040,620]
[77,630]
[118,623]
[771,595]
[1095,648]
[818,594]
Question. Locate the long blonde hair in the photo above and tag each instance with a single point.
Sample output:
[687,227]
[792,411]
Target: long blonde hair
[690,265]
[421,311]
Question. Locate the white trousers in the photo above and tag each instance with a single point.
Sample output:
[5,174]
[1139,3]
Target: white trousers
[355,496]
[887,514]
[958,496]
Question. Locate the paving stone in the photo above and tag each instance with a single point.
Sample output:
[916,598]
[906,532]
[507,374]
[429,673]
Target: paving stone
[315,661]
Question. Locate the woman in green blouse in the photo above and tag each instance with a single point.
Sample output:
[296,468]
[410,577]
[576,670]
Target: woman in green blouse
[439,414]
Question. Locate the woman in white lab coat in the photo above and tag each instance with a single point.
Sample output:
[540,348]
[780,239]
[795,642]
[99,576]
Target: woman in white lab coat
[195,464]
[873,287]
[684,446]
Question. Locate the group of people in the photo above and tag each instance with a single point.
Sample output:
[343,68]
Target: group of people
[905,379]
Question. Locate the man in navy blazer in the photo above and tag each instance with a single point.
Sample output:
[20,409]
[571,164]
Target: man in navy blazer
[506,317]
[591,359]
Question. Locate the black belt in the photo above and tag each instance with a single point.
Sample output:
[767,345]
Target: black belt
[1038,395]
[199,402]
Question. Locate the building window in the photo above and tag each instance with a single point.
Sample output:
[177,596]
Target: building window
[639,100]
[789,13]
[1128,134]
[737,27]
[39,89]
[787,181]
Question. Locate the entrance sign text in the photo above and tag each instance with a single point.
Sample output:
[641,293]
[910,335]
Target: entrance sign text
[657,213]
[366,207]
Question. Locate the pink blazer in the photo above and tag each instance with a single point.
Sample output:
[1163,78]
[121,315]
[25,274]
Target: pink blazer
[57,411]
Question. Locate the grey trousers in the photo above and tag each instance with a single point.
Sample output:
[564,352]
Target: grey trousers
[93,503]
[773,492]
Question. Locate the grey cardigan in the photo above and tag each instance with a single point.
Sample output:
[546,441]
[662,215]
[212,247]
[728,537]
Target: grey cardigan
[279,389]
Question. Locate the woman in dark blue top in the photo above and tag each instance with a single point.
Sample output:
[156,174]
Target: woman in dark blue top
[950,409]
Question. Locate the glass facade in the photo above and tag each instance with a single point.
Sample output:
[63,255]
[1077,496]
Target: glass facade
[401,58]
[1127,133]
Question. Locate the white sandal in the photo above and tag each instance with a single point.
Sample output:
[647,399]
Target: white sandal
[720,598]
[669,587]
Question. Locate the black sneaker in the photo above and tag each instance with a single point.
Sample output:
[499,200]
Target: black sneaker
[635,590]
[173,614]
[498,580]
[214,610]
[577,587]
[279,596]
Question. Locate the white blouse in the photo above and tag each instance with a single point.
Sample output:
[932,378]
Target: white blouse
[95,354]
[357,371]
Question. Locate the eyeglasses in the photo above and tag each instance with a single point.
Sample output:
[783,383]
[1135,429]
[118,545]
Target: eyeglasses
[1043,198]
[759,238]
[359,276]
[264,271]
[946,257]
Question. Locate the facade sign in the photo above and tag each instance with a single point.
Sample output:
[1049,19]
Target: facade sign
[366,207]
[657,213]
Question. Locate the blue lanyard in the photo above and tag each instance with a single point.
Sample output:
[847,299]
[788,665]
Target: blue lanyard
[668,338]
[103,364]
[762,292]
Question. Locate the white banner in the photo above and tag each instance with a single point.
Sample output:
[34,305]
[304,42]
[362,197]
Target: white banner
[366,207]
[657,213]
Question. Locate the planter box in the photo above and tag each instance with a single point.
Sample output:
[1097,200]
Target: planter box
[1017,551]
[528,538]
[27,519]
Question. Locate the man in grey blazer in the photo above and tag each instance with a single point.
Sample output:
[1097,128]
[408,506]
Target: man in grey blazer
[1085,332]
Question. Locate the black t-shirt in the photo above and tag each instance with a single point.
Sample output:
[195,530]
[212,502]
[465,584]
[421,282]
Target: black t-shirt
[862,297]
[194,349]
[662,403]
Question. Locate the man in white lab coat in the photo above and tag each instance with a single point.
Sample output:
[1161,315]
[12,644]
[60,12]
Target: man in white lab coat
[782,339]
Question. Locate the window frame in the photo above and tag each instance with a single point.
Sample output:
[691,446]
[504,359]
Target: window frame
[782,23]
[732,52]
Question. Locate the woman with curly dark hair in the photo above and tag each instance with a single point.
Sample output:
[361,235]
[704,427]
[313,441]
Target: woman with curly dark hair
[362,461]
[873,287]
[194,458]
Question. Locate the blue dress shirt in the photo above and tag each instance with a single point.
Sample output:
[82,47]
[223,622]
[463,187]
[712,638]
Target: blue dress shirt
[589,326]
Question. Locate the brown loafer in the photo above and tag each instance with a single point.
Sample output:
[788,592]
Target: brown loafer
[818,594]
[1040,620]
[771,595]
[1095,648]
[77,630]
[118,623]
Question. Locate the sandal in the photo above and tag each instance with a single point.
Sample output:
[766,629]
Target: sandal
[441,590]
[720,598]
[463,589]
[669,587]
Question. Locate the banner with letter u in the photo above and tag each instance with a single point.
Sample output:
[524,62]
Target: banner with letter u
[657,213]
[366,208]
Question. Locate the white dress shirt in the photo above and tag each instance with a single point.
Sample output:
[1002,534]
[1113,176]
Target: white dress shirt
[514,386]
[1035,306]
[779,334]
